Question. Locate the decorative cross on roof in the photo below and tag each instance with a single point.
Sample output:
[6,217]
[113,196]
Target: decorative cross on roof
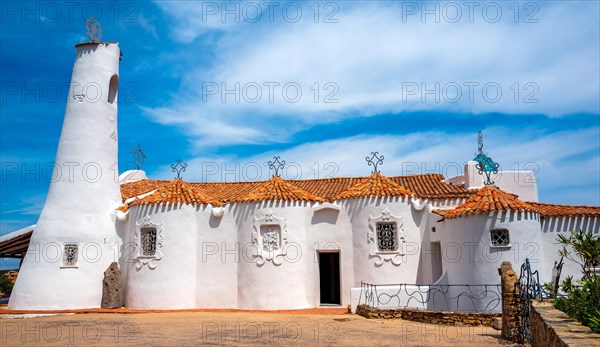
[178,167]
[138,157]
[94,31]
[276,165]
[485,165]
[375,160]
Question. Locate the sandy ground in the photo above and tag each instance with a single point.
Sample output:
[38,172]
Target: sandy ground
[234,328]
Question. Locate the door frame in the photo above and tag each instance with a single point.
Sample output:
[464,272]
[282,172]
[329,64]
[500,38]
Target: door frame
[340,285]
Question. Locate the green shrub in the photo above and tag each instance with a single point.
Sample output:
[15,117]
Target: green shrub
[6,284]
[582,303]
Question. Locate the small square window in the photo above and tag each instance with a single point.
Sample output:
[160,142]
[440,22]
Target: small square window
[148,242]
[70,255]
[499,237]
[387,238]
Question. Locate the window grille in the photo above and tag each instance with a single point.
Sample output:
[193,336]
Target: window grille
[499,237]
[70,255]
[148,241]
[387,240]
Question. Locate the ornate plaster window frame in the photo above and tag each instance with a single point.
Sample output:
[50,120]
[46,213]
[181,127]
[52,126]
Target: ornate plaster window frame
[148,260]
[394,257]
[271,247]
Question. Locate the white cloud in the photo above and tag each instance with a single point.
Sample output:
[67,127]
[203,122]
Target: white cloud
[553,156]
[374,59]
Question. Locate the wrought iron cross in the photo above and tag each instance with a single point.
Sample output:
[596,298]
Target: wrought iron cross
[178,167]
[375,160]
[94,31]
[138,157]
[276,165]
[485,165]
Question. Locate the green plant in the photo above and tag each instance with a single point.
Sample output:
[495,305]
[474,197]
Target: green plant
[595,322]
[6,284]
[586,248]
[582,302]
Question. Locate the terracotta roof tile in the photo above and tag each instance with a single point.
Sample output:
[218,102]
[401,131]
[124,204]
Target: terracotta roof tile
[429,186]
[137,188]
[374,185]
[174,192]
[488,199]
[227,192]
[565,210]
[278,189]
[432,186]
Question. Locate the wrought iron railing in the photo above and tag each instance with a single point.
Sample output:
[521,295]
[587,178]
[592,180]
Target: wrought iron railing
[436,297]
[528,287]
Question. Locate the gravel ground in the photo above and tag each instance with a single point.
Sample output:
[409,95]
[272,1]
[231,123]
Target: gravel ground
[234,328]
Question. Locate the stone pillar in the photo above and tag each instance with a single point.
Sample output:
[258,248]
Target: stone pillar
[111,287]
[511,321]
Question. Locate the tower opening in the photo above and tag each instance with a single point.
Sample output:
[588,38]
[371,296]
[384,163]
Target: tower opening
[113,89]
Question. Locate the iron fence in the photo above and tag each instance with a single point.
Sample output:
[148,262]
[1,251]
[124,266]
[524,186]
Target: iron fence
[435,297]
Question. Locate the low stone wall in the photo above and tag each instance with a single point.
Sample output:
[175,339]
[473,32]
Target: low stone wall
[551,327]
[433,317]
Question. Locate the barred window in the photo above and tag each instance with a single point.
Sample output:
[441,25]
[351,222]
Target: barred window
[70,254]
[499,237]
[387,238]
[148,241]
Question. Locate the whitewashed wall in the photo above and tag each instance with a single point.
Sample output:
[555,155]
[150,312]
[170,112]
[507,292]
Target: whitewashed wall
[467,254]
[551,228]
[168,282]
[372,266]
[287,284]
[82,197]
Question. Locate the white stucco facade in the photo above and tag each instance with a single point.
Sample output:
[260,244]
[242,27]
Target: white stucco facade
[81,201]
[256,255]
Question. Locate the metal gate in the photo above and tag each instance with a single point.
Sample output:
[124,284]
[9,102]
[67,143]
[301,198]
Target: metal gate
[529,287]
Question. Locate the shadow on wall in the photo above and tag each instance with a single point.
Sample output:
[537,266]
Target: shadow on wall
[567,224]
[328,216]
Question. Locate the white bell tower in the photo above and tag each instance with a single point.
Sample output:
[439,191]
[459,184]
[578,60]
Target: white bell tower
[75,239]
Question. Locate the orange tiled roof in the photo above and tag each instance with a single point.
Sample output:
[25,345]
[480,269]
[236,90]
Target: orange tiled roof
[227,192]
[174,192]
[432,186]
[374,185]
[137,188]
[488,199]
[565,210]
[278,189]
[427,186]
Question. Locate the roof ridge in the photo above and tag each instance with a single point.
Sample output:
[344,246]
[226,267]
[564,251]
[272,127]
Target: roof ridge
[184,193]
[277,188]
[375,184]
[487,199]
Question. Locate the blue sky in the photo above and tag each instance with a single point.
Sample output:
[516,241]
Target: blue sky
[391,76]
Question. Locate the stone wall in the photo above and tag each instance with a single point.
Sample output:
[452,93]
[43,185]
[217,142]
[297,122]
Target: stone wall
[511,304]
[553,328]
[433,317]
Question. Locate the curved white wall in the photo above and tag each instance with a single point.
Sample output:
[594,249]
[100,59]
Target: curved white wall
[84,191]
[270,286]
[402,269]
[468,256]
[168,282]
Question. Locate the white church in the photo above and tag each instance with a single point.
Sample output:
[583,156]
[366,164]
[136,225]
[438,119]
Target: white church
[268,245]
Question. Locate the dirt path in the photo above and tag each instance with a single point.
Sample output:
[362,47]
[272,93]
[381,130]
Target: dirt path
[234,328]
